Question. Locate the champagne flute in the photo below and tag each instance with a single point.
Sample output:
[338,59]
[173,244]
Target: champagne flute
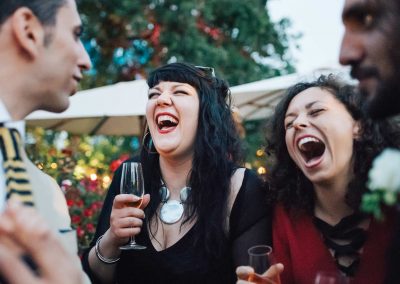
[260,259]
[328,277]
[132,183]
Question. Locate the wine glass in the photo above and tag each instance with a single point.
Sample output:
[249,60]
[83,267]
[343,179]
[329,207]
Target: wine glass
[328,277]
[132,183]
[261,258]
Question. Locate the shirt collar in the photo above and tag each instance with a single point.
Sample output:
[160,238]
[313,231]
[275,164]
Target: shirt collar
[6,119]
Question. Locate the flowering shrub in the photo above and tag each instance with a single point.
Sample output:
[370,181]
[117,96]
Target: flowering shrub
[85,201]
[384,183]
[83,166]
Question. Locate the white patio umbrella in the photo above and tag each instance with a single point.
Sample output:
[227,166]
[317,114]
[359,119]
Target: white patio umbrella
[117,109]
[257,100]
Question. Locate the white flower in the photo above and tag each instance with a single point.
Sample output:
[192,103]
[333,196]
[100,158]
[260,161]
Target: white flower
[385,172]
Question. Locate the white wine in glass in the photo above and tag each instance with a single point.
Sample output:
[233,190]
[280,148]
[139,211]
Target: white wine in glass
[132,183]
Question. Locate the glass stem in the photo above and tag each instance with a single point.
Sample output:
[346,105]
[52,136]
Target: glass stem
[132,240]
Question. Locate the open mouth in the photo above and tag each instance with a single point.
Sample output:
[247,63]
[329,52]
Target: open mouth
[311,148]
[77,78]
[166,122]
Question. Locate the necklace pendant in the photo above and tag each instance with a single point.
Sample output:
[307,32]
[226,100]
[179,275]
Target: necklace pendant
[171,212]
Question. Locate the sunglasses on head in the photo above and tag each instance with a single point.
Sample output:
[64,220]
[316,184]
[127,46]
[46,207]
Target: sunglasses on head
[207,70]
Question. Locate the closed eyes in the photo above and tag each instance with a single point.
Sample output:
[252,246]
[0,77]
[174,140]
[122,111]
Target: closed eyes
[315,112]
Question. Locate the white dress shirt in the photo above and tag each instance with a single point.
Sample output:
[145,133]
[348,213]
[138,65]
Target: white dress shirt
[5,118]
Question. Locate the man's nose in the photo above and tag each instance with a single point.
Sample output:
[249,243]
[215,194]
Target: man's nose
[351,50]
[84,62]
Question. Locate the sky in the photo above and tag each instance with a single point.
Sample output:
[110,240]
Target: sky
[320,23]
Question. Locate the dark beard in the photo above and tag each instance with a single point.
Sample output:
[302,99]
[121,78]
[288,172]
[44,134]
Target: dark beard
[385,102]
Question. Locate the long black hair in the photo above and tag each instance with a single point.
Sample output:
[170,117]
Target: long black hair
[217,151]
[288,183]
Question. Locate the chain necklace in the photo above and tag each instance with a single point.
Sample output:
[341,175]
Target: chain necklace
[172,210]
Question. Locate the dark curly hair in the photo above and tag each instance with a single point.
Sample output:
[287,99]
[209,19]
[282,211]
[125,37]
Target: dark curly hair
[217,153]
[288,184]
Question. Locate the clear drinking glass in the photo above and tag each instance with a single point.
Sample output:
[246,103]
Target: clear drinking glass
[261,258]
[132,183]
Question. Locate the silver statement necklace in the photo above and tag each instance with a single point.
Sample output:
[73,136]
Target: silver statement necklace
[172,210]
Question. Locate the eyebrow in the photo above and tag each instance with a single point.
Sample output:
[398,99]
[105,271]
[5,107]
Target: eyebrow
[308,106]
[356,10]
[173,87]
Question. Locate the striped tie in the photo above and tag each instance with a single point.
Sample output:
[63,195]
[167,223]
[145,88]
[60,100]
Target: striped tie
[17,179]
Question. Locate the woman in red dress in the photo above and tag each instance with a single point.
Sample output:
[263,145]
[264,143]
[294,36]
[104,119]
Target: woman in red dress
[324,148]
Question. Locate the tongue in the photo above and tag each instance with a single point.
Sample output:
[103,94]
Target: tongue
[313,160]
[164,128]
[165,125]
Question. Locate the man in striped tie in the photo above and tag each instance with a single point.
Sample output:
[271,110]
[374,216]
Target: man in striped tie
[42,59]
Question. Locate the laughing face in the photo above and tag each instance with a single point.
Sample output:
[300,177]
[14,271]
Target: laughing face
[319,135]
[172,114]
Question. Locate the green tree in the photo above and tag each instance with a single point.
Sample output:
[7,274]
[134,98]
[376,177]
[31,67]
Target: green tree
[127,39]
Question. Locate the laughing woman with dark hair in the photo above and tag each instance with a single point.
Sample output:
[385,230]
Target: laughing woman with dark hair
[324,147]
[192,142]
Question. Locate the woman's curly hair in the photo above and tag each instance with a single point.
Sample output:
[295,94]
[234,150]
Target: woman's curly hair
[288,184]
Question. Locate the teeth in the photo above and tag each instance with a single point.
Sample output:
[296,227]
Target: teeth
[166,117]
[306,140]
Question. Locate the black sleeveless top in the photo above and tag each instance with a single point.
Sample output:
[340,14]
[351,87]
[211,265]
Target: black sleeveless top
[184,262]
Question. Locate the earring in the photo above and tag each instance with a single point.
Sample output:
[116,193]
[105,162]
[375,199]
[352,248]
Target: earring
[148,145]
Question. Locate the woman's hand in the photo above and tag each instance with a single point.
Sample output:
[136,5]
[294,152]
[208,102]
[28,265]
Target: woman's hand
[246,274]
[125,220]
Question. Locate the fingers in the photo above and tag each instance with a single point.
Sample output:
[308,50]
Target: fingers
[30,233]
[246,274]
[122,208]
[126,221]
[243,272]
[10,262]
[146,200]
[126,227]
[274,271]
[129,222]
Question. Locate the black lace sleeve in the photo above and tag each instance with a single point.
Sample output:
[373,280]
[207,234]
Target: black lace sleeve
[251,218]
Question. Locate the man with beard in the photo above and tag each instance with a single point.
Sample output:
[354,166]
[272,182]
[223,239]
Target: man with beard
[371,46]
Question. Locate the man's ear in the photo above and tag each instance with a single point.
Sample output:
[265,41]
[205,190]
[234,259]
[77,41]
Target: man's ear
[28,31]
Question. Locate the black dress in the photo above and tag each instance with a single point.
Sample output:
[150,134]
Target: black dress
[184,262]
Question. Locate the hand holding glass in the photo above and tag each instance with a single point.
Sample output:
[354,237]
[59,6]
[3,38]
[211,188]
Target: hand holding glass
[326,277]
[132,183]
[261,259]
